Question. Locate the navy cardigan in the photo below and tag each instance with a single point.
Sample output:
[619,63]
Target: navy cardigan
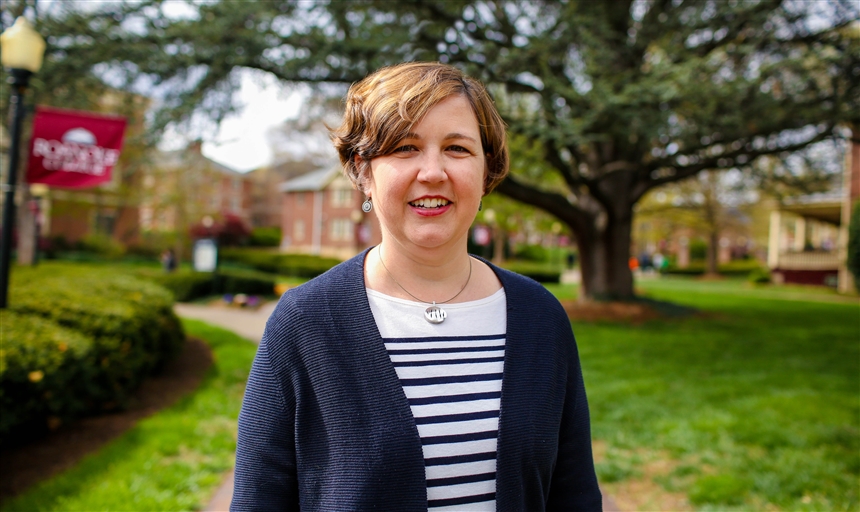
[325,424]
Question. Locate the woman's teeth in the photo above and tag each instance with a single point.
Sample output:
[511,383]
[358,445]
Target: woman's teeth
[429,203]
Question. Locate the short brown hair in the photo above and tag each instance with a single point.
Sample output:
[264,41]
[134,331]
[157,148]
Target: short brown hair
[382,108]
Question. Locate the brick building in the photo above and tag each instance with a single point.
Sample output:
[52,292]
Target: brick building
[322,215]
[182,187]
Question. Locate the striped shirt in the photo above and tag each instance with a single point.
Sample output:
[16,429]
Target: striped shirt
[451,374]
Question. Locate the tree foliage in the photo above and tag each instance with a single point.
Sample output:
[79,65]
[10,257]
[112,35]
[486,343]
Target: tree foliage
[621,95]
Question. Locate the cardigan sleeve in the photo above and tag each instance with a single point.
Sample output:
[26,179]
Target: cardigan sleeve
[265,477]
[574,483]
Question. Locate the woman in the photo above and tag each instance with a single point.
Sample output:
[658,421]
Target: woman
[414,376]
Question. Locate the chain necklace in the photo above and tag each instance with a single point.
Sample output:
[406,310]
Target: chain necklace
[433,314]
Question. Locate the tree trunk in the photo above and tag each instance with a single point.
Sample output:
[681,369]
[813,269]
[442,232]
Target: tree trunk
[604,247]
[499,239]
[604,262]
[711,268]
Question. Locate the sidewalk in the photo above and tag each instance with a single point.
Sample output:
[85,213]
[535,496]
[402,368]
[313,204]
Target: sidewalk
[250,324]
[247,323]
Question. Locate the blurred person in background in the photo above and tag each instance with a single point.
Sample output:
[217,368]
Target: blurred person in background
[415,376]
[168,260]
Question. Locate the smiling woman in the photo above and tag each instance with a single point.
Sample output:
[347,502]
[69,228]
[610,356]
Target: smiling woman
[415,376]
[426,192]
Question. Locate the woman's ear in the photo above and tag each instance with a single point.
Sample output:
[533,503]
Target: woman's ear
[362,174]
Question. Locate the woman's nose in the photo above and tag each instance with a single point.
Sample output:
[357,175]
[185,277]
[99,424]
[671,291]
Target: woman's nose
[432,168]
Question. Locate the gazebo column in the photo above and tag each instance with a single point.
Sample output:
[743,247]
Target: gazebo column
[799,234]
[774,239]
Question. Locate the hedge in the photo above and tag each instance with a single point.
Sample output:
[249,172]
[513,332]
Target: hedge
[124,330]
[734,268]
[540,272]
[296,265]
[41,364]
[189,285]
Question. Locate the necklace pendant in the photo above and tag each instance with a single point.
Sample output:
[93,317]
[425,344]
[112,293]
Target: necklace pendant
[435,315]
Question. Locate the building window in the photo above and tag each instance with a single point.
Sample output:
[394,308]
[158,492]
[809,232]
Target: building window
[105,223]
[341,230]
[299,230]
[341,197]
[146,218]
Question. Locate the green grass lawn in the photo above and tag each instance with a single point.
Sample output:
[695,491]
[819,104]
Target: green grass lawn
[752,405]
[173,460]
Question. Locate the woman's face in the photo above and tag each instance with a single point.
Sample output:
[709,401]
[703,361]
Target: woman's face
[426,193]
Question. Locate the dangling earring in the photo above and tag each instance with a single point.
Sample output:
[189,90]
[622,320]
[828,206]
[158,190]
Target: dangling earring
[481,205]
[366,206]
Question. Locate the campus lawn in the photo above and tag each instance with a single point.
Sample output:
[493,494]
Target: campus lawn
[754,404]
[170,461]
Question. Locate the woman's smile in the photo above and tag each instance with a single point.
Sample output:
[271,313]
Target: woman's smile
[426,191]
[430,206]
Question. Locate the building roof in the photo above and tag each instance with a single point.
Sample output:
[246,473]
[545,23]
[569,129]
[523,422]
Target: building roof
[312,181]
[823,206]
[182,158]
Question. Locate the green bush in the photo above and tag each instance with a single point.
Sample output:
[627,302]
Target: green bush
[733,268]
[130,323]
[537,253]
[247,282]
[295,265]
[41,367]
[760,275]
[539,272]
[265,237]
[854,244]
[698,250]
[187,285]
[102,245]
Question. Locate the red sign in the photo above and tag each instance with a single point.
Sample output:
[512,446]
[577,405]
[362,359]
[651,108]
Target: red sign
[73,149]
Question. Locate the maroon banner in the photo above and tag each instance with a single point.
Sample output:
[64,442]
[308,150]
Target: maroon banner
[73,149]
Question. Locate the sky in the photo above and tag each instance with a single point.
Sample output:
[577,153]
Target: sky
[241,142]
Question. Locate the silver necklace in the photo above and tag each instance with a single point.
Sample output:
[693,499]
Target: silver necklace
[433,314]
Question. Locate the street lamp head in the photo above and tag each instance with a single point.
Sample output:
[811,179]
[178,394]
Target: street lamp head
[21,47]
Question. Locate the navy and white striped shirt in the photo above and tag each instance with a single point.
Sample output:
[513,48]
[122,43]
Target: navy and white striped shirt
[452,376]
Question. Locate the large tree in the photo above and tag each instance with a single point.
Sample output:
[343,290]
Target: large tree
[621,95]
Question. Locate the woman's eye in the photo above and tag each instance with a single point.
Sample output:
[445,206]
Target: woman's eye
[405,148]
[458,149]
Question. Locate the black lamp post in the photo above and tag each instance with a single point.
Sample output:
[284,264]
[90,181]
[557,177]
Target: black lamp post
[21,51]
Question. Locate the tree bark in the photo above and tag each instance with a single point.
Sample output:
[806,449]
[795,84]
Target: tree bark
[604,262]
[604,246]
[711,267]
[499,240]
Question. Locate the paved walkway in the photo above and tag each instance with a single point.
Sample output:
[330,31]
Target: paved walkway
[247,323]
[250,324]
